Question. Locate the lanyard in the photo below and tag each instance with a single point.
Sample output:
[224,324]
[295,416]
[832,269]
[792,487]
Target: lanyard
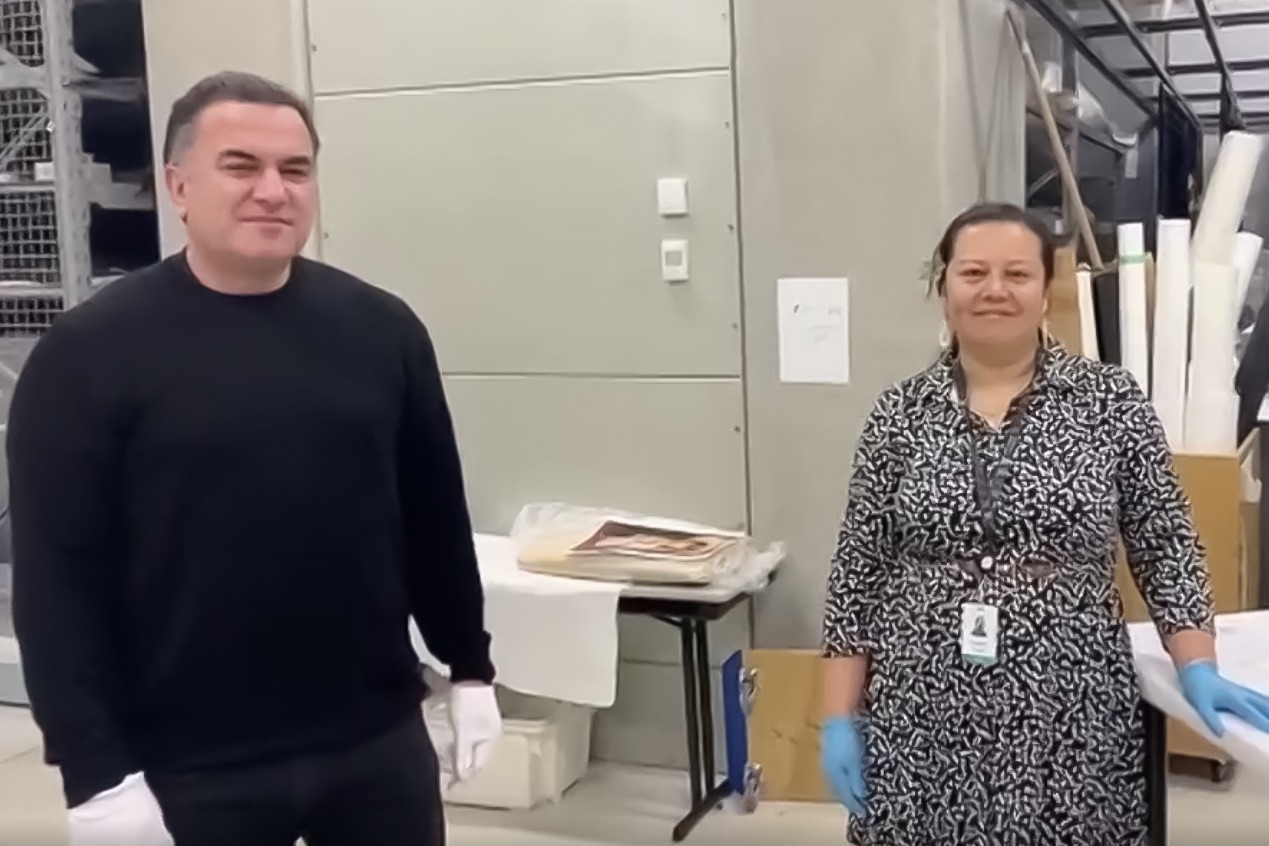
[988,486]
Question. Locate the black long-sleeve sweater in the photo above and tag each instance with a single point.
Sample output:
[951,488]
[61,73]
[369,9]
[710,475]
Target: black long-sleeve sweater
[225,510]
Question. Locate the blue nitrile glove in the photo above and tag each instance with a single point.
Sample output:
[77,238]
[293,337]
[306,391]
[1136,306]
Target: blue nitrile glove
[1211,694]
[842,760]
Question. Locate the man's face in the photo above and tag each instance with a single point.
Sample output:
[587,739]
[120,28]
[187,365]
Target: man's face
[245,186]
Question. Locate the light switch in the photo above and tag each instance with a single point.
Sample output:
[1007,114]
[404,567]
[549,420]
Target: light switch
[674,260]
[672,196]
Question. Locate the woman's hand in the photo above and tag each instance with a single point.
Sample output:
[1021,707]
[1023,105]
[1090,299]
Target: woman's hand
[842,760]
[1211,694]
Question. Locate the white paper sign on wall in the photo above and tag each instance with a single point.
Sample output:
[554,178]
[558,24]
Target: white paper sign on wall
[814,330]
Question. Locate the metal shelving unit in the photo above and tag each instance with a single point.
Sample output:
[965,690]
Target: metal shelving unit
[1061,17]
[50,188]
[1230,115]
[1172,119]
[45,262]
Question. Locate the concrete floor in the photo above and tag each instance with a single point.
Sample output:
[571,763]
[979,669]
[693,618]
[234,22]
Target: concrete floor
[620,806]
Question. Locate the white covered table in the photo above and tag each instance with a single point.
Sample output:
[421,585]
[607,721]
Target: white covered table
[557,638]
[1242,644]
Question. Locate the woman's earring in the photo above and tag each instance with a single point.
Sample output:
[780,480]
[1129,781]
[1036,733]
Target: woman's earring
[945,335]
[1046,337]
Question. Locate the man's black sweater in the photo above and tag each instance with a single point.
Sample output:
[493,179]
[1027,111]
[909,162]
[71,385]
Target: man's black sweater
[225,510]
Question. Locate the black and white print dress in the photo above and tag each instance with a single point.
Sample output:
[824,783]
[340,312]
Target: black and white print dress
[1044,747]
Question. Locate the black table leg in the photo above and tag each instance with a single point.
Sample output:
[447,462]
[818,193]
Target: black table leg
[706,711]
[1156,730]
[691,708]
[707,791]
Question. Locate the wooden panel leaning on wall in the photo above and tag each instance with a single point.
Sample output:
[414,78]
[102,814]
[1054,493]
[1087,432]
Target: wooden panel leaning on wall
[784,726]
[1064,308]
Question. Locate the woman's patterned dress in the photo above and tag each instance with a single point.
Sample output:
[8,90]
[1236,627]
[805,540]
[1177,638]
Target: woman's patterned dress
[1044,747]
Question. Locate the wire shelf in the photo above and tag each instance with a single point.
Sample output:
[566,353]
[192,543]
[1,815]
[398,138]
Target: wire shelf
[21,30]
[25,139]
[30,266]
[28,238]
[28,315]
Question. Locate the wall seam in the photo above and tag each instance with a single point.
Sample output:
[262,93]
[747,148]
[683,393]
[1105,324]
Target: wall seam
[302,69]
[742,295]
[941,111]
[525,82]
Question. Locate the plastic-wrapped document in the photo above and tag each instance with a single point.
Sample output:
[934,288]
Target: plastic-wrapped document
[628,551]
[605,545]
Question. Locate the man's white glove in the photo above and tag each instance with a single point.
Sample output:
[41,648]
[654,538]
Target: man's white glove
[477,725]
[125,815]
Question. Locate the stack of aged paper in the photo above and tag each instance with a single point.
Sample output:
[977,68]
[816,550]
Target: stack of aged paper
[628,551]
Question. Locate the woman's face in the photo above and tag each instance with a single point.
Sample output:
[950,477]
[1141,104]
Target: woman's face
[995,293]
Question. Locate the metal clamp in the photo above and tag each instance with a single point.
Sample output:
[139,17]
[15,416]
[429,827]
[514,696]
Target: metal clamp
[753,788]
[748,690]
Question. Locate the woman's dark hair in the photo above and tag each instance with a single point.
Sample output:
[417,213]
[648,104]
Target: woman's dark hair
[990,213]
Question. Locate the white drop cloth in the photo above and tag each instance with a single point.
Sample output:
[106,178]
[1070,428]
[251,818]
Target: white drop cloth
[1242,646]
[552,637]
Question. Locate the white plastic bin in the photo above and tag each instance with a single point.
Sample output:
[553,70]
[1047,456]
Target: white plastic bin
[544,750]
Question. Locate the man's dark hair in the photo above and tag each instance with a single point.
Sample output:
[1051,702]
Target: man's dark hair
[227,87]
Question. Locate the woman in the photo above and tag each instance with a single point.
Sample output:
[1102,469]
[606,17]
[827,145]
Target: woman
[980,688]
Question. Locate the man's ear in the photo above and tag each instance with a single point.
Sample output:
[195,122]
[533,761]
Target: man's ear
[175,182]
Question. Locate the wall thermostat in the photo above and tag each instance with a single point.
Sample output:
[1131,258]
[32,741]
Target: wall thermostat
[674,260]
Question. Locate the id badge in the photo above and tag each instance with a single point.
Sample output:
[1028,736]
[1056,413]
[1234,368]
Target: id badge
[980,633]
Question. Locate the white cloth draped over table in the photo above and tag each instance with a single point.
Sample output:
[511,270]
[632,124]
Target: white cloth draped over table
[552,637]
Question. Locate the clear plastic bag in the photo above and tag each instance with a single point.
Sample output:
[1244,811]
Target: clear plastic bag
[545,533]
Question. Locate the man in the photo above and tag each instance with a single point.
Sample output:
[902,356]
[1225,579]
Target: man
[233,480]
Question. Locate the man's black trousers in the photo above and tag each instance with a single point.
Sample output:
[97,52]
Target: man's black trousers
[385,792]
